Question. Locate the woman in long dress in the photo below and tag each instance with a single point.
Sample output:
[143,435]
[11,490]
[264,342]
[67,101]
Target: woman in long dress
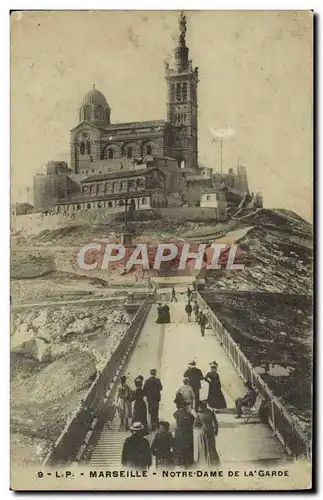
[183,434]
[123,402]
[139,407]
[215,398]
[205,430]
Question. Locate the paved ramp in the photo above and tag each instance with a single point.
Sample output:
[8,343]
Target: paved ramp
[169,348]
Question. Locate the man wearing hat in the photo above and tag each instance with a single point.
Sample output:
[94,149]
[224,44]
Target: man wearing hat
[195,376]
[186,393]
[136,450]
[152,390]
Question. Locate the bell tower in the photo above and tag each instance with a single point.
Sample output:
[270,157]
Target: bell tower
[182,108]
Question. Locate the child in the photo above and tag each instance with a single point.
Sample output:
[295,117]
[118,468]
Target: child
[163,446]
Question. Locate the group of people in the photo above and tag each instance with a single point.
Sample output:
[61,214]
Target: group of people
[196,422]
[163,311]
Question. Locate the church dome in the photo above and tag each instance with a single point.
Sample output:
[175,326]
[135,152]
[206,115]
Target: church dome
[94,107]
[94,96]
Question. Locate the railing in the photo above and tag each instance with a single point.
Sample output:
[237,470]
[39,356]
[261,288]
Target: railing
[81,425]
[290,435]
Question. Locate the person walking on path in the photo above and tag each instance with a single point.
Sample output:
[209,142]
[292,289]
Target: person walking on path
[152,390]
[184,440]
[123,402]
[196,310]
[203,322]
[163,446]
[139,413]
[185,393]
[136,452]
[188,310]
[173,295]
[160,313]
[195,377]
[189,294]
[215,398]
[166,314]
[205,430]
[248,399]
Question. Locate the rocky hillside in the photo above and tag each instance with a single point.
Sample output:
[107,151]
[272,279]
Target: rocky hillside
[51,345]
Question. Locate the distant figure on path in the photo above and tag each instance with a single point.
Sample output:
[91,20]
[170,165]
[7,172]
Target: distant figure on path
[163,446]
[247,401]
[195,377]
[215,398]
[152,390]
[173,295]
[196,310]
[189,294]
[139,407]
[185,393]
[188,310]
[184,434]
[203,322]
[123,402]
[166,314]
[160,313]
[136,450]
[205,430]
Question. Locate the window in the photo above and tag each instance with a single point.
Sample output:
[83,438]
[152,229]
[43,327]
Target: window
[99,204]
[88,205]
[101,188]
[144,201]
[93,190]
[88,147]
[178,92]
[87,113]
[115,186]
[148,150]
[78,207]
[129,152]
[121,203]
[124,186]
[184,91]
[110,204]
[172,92]
[178,118]
[110,154]
[82,148]
[108,187]
[85,189]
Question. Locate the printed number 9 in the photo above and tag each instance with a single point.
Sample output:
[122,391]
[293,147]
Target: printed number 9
[40,474]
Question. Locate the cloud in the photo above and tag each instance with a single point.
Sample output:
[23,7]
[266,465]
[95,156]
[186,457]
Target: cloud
[222,133]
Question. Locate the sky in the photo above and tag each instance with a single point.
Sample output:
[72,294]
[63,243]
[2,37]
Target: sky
[256,78]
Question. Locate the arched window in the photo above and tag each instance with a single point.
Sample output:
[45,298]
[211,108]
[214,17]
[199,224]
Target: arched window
[88,147]
[178,92]
[148,149]
[110,204]
[87,113]
[78,207]
[121,203]
[144,201]
[82,148]
[110,154]
[184,91]
[129,152]
[88,205]
[172,92]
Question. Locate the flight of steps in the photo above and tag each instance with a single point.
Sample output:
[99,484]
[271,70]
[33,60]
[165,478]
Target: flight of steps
[108,451]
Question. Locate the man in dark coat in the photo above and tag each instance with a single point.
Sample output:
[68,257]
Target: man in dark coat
[203,322]
[195,376]
[173,295]
[152,390]
[166,313]
[136,452]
